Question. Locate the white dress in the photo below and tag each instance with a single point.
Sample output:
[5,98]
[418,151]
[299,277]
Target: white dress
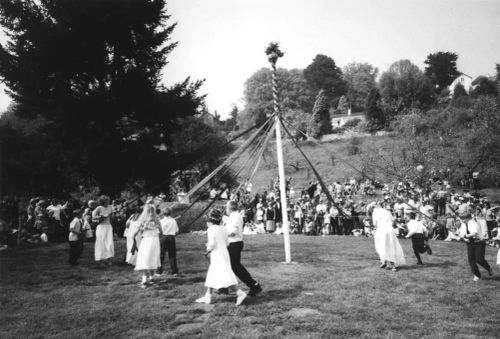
[386,242]
[104,245]
[132,229]
[148,255]
[219,273]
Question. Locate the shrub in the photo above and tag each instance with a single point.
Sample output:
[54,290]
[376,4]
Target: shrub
[352,123]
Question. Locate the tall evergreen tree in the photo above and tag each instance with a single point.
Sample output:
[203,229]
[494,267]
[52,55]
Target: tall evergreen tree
[441,68]
[92,69]
[320,122]
[324,74]
[374,113]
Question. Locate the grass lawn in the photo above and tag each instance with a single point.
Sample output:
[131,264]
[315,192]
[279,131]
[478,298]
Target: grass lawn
[334,290]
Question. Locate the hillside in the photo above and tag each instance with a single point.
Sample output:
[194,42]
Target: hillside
[326,157]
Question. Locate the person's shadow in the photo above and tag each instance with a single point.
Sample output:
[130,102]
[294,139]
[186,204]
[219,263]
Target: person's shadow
[273,295]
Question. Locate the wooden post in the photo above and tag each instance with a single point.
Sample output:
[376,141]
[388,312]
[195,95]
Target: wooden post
[273,53]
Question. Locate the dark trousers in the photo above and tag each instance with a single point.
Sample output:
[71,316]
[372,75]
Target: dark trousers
[475,255]
[239,270]
[167,244]
[75,250]
[418,244]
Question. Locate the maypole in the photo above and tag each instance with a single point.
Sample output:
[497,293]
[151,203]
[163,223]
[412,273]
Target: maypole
[273,53]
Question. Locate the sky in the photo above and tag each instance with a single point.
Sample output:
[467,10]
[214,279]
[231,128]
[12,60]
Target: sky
[223,41]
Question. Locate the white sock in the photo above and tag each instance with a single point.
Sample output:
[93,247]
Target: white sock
[144,279]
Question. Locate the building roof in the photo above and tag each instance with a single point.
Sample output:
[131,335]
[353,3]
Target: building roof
[352,115]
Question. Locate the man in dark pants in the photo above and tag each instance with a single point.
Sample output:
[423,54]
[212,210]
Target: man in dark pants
[234,227]
[475,236]
[169,230]
[417,232]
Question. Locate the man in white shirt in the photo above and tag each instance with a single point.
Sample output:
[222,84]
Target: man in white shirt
[417,232]
[234,227]
[475,236]
[169,230]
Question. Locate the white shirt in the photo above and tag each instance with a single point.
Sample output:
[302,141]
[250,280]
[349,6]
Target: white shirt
[415,227]
[75,228]
[234,227]
[169,226]
[475,228]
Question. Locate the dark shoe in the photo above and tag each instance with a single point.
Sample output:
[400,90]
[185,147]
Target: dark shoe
[383,265]
[490,272]
[420,263]
[429,250]
[256,289]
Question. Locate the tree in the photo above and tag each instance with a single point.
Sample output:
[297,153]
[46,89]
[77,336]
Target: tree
[360,80]
[374,114]
[230,123]
[343,106]
[323,74]
[441,68]
[485,86]
[258,95]
[405,86]
[92,70]
[320,122]
[459,91]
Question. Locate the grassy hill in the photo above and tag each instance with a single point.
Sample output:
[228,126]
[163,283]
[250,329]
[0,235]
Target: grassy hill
[326,158]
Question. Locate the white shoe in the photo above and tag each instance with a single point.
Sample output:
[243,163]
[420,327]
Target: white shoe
[476,278]
[206,299]
[240,297]
[157,274]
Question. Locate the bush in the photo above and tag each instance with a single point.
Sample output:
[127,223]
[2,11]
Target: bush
[354,146]
[338,130]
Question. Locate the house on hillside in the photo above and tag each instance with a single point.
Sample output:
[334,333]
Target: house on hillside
[463,79]
[339,120]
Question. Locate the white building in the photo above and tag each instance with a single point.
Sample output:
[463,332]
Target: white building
[464,80]
[339,120]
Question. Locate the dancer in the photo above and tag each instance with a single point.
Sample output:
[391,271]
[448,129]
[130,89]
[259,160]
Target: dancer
[234,227]
[148,255]
[104,250]
[475,236]
[386,243]
[169,230]
[219,275]
[418,233]
[131,227]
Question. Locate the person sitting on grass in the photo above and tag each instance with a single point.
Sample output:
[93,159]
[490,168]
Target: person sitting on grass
[219,274]
[418,233]
[148,254]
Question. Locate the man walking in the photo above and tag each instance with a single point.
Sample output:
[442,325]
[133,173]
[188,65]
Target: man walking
[234,227]
[475,236]
[169,229]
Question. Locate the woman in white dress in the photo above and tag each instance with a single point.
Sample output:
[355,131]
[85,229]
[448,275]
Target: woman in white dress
[220,274]
[148,254]
[386,242]
[104,250]
[131,228]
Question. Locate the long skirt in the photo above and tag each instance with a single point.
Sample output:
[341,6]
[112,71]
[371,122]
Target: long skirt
[270,225]
[104,245]
[148,256]
[220,274]
[388,247]
[498,258]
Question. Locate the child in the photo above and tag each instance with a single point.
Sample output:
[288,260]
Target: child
[368,226]
[148,255]
[76,237]
[310,227]
[418,233]
[220,274]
